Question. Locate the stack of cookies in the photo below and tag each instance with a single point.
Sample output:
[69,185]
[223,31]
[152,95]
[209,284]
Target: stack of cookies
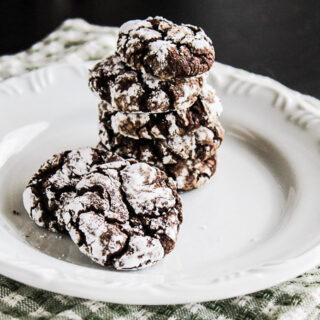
[155,104]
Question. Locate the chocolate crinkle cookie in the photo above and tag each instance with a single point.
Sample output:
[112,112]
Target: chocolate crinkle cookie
[165,49]
[203,112]
[117,211]
[199,144]
[128,90]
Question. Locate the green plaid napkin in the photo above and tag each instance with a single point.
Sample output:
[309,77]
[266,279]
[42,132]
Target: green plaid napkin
[77,41]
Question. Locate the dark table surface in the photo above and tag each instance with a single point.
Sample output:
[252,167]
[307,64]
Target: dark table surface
[280,39]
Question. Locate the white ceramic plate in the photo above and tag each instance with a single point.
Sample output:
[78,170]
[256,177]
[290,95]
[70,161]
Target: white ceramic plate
[255,224]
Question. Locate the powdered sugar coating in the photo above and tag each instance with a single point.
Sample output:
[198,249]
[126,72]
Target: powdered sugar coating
[145,189]
[128,90]
[134,24]
[165,49]
[142,252]
[106,204]
[191,174]
[199,144]
[203,112]
[102,239]
[188,174]
[43,198]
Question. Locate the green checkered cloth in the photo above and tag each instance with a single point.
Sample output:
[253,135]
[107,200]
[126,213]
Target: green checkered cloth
[77,41]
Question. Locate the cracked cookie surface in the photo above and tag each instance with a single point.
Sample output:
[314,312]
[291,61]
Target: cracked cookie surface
[199,144]
[191,174]
[128,90]
[188,174]
[203,112]
[48,188]
[117,211]
[165,49]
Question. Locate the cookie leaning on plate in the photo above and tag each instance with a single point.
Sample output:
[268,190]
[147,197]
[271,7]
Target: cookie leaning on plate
[128,90]
[165,49]
[165,125]
[117,211]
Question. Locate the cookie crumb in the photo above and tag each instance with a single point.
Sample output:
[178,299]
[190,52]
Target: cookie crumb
[16,213]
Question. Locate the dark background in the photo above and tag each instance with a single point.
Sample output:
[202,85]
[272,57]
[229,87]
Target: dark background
[280,39]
